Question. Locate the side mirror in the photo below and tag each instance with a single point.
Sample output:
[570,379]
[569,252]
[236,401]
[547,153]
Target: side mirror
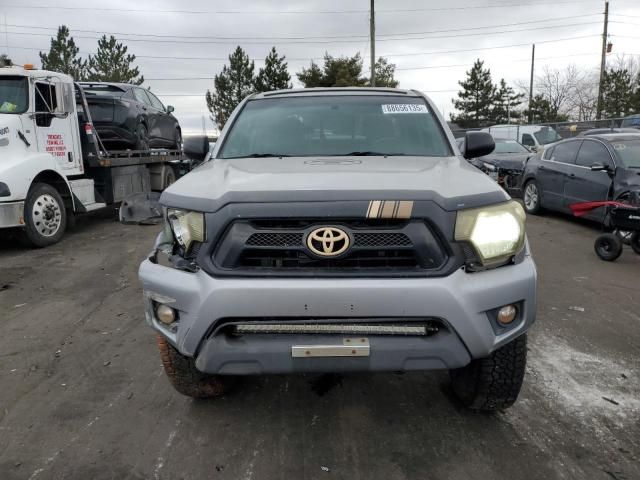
[598,167]
[478,144]
[196,147]
[170,109]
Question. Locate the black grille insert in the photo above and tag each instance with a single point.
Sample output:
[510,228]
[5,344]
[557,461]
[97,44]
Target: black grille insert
[294,259]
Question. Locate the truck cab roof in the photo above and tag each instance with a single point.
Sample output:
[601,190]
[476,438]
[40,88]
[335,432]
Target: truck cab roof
[19,71]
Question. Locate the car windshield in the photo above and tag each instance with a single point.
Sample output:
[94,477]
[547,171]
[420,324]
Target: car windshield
[509,146]
[336,125]
[628,152]
[14,97]
[547,135]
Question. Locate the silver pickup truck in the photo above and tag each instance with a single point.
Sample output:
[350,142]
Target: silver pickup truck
[336,230]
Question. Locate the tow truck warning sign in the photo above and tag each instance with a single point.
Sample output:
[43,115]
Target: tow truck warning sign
[55,145]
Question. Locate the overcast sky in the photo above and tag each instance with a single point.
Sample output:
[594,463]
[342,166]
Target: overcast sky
[431,60]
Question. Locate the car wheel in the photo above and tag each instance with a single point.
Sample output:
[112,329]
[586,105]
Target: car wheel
[186,378]
[531,198]
[142,138]
[178,140]
[608,247]
[492,383]
[635,242]
[45,216]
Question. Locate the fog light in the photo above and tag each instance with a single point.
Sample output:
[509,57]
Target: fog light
[507,314]
[165,314]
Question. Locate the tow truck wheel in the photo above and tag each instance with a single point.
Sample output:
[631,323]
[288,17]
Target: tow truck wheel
[45,216]
[186,378]
[492,383]
[635,242]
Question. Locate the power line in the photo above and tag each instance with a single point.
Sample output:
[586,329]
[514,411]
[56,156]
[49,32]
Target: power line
[313,37]
[298,12]
[202,42]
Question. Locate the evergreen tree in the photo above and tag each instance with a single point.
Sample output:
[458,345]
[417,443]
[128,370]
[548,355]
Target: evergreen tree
[617,93]
[506,103]
[111,63]
[385,72]
[5,61]
[274,75]
[63,56]
[336,72]
[475,100]
[543,111]
[234,83]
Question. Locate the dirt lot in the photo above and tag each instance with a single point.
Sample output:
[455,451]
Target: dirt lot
[83,394]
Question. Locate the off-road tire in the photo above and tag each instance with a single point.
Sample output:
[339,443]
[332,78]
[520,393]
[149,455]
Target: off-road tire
[635,242]
[532,208]
[31,234]
[186,378]
[608,247]
[492,383]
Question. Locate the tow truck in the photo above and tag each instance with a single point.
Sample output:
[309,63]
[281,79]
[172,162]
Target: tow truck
[53,164]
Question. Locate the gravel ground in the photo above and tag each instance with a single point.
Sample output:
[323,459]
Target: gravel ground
[83,394]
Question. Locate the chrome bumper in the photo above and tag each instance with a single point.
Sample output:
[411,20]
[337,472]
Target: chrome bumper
[11,214]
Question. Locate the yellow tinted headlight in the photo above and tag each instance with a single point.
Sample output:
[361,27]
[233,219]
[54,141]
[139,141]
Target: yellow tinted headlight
[187,227]
[496,232]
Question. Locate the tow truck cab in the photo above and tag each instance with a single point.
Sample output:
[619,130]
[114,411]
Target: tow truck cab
[52,164]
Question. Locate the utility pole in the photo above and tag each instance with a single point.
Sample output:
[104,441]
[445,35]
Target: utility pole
[372,35]
[533,61]
[603,60]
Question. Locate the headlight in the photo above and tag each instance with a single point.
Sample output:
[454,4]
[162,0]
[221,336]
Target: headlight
[495,232]
[187,227]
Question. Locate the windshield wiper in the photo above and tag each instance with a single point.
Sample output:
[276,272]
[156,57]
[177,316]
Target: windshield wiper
[260,155]
[369,153]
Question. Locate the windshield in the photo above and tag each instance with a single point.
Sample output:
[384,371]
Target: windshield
[509,146]
[14,96]
[628,152]
[326,125]
[547,135]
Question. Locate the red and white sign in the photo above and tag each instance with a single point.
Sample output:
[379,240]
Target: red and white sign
[55,145]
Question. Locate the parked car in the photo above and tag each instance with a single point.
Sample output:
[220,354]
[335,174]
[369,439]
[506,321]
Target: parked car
[505,164]
[339,230]
[127,114]
[534,137]
[598,167]
[599,131]
[631,121]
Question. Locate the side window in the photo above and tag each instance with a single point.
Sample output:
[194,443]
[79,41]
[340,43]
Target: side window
[46,103]
[528,140]
[155,102]
[548,153]
[593,152]
[566,152]
[141,96]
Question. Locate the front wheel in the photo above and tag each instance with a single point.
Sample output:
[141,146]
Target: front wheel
[608,247]
[531,198]
[142,138]
[177,142]
[45,216]
[492,383]
[186,378]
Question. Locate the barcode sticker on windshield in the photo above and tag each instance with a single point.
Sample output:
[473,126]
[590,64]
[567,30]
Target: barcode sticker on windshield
[405,108]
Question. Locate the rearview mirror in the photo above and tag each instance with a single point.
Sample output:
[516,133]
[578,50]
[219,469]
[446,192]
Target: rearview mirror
[478,144]
[170,109]
[196,147]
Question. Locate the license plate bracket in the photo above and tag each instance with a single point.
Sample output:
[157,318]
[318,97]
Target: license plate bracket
[350,347]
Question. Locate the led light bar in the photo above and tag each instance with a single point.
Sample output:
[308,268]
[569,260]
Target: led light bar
[347,329]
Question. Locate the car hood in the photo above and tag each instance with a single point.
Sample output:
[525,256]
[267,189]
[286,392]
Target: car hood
[449,181]
[510,161]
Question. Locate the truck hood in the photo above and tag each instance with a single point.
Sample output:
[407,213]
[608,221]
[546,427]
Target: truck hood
[450,181]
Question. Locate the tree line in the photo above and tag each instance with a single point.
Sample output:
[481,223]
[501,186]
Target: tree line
[238,78]
[559,96]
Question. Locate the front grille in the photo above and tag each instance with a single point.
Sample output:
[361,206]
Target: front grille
[278,246]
